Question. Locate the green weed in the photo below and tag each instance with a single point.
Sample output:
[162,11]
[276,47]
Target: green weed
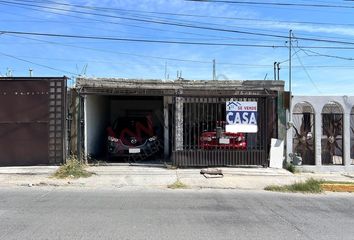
[73,168]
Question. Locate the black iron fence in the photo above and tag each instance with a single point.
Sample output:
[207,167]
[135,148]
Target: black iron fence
[332,139]
[199,136]
[303,137]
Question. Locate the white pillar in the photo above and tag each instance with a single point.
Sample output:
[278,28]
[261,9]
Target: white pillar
[318,137]
[289,138]
[346,139]
[84,157]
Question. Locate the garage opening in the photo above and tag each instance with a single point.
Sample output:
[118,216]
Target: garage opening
[124,128]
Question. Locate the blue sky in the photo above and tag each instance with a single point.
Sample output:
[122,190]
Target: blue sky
[315,71]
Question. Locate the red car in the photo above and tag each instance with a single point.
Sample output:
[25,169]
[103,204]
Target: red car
[222,140]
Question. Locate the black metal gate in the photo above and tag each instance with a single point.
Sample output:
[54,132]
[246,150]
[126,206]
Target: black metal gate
[32,121]
[303,132]
[332,134]
[195,119]
[332,150]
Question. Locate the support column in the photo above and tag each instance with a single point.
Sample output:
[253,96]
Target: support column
[84,124]
[166,133]
[289,138]
[79,128]
[282,131]
[318,138]
[346,139]
[179,123]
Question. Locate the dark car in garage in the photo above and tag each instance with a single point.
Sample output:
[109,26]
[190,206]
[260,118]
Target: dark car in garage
[130,137]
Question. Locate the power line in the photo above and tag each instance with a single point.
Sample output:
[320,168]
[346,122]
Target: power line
[244,65]
[124,53]
[180,24]
[139,40]
[276,4]
[174,59]
[168,30]
[38,64]
[262,20]
[307,73]
[210,37]
[150,21]
[322,55]
[192,26]
[137,26]
[163,58]
[143,27]
[165,41]
[325,55]
[188,15]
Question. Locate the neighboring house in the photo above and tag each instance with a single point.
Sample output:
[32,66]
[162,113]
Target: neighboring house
[322,132]
[32,121]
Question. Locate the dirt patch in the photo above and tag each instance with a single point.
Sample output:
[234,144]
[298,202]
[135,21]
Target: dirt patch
[338,187]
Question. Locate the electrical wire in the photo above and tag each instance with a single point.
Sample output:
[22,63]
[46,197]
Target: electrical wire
[167,30]
[325,55]
[163,41]
[243,65]
[307,73]
[166,58]
[38,64]
[276,4]
[140,40]
[143,27]
[123,10]
[148,21]
[193,26]
[129,54]
[188,15]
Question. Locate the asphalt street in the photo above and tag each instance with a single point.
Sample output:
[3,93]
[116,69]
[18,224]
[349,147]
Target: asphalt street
[59,213]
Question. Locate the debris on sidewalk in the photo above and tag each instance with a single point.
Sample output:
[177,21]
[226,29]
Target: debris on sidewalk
[212,173]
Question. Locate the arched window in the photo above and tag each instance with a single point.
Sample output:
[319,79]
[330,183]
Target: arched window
[332,134]
[303,132]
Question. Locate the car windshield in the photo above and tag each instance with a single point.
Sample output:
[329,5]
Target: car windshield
[133,127]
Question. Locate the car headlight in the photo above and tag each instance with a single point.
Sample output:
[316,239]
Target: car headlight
[152,138]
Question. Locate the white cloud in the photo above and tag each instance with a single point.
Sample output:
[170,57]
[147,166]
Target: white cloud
[62,8]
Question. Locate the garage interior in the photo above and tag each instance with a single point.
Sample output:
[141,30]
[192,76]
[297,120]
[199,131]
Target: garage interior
[102,111]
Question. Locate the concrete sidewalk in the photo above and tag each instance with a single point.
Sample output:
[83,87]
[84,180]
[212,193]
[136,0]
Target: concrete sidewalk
[124,176]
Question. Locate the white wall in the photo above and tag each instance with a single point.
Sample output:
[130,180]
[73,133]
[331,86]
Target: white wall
[96,117]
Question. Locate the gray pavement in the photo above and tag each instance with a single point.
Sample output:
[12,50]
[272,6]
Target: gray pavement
[154,177]
[64,213]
